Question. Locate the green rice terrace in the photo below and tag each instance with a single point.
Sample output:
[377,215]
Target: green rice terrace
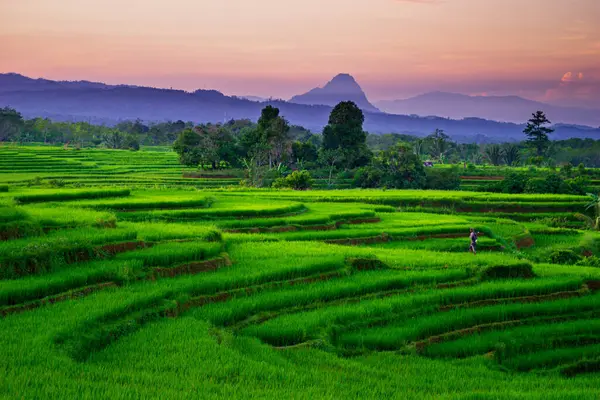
[125,275]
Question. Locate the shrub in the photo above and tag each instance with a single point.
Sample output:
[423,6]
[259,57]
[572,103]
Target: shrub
[132,143]
[297,180]
[496,187]
[567,257]
[348,174]
[522,270]
[279,183]
[537,161]
[536,185]
[300,180]
[514,183]
[555,222]
[578,185]
[367,177]
[56,183]
[553,183]
[567,169]
[442,179]
[591,261]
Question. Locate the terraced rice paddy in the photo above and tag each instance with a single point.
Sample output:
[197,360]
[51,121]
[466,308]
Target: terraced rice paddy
[175,292]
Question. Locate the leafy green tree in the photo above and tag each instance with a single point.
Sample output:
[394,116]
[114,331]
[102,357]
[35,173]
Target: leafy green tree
[136,127]
[344,134]
[279,141]
[269,142]
[216,145]
[567,169]
[255,172]
[494,154]
[42,125]
[267,116]
[537,161]
[418,147]
[186,146]
[368,177]
[387,140]
[514,183]
[511,154]
[253,146]
[442,178]
[114,139]
[401,168]
[438,144]
[304,152]
[331,158]
[301,134]
[265,145]
[579,185]
[131,143]
[11,123]
[537,133]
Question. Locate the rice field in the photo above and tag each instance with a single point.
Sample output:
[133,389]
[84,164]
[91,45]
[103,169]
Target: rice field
[131,280]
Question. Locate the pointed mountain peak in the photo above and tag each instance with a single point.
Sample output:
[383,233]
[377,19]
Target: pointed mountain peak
[346,78]
[343,87]
[344,83]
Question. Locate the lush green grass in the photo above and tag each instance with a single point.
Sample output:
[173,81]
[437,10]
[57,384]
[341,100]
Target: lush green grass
[515,341]
[66,194]
[299,327]
[31,256]
[84,313]
[37,287]
[361,284]
[53,216]
[161,231]
[162,201]
[396,336]
[222,209]
[164,255]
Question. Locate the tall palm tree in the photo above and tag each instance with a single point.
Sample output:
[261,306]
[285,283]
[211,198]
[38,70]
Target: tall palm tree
[511,154]
[494,154]
[418,147]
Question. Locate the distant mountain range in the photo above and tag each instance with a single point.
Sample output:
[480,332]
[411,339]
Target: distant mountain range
[254,98]
[342,87]
[108,104]
[497,108]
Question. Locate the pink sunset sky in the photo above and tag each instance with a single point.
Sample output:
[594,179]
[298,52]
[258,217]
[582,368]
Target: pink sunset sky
[542,49]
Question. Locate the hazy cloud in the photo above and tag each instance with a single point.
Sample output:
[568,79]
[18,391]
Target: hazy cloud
[571,77]
[576,90]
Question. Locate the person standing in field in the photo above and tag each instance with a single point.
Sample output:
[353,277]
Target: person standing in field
[473,246]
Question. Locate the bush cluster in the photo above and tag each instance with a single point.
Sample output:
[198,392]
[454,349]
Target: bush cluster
[297,180]
[400,168]
[519,182]
[564,256]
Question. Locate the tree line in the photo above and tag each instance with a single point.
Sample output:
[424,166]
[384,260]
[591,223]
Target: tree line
[124,135]
[232,143]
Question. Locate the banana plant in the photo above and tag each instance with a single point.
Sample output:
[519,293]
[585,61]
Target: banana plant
[593,223]
[282,170]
